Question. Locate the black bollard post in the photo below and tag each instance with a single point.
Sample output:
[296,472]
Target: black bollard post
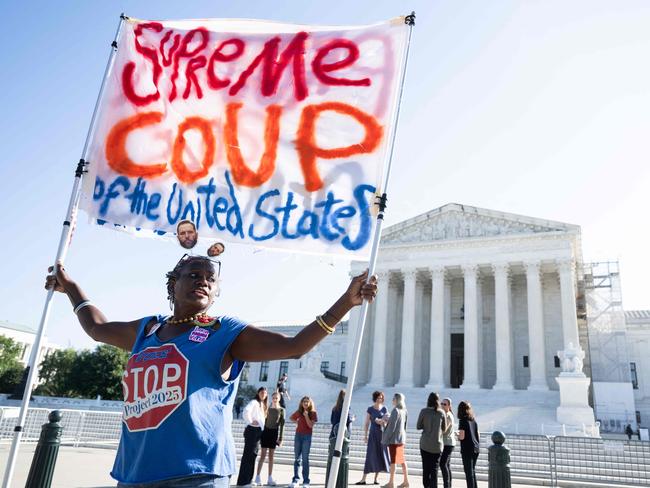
[47,450]
[342,478]
[499,462]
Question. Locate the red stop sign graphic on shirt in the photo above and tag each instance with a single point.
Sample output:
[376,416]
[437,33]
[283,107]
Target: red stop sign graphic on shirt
[154,384]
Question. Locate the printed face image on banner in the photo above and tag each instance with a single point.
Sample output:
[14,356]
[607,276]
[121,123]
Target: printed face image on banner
[154,385]
[257,132]
[216,249]
[186,234]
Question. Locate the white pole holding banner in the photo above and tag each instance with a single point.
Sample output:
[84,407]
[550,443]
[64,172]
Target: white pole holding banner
[64,242]
[338,448]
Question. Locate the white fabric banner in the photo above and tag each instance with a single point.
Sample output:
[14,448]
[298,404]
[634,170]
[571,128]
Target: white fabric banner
[258,132]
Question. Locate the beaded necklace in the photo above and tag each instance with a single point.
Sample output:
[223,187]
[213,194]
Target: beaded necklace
[199,320]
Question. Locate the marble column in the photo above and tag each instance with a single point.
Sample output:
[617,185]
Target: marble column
[568,298]
[470,359]
[447,337]
[502,326]
[536,343]
[378,351]
[437,339]
[407,356]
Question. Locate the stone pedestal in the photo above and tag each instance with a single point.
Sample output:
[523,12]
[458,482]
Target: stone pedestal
[574,408]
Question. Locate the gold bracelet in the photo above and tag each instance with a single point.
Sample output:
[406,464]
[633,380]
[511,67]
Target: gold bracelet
[329,327]
[324,329]
[323,325]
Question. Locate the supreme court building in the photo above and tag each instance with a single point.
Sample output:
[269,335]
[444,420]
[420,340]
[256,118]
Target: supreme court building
[473,298]
[493,303]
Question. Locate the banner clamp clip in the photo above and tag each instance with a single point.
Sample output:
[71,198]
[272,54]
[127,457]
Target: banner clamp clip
[81,168]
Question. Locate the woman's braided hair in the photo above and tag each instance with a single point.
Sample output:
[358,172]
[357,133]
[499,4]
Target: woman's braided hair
[174,274]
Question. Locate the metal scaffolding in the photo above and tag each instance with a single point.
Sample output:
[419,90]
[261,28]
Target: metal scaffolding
[605,322]
[603,331]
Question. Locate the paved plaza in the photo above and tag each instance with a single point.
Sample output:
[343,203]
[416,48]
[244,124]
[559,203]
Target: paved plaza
[79,467]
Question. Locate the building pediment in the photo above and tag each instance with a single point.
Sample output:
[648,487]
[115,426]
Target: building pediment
[455,222]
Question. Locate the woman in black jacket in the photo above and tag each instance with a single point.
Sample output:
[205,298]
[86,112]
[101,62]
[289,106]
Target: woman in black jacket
[469,437]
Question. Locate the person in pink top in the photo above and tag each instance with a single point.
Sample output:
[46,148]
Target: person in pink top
[305,418]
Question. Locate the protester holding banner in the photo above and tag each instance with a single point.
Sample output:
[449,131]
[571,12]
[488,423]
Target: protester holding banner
[181,380]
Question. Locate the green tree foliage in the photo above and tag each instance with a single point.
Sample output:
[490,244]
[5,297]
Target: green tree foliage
[9,353]
[55,374]
[84,374]
[10,378]
[11,369]
[100,372]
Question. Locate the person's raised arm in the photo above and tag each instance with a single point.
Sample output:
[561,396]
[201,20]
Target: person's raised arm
[255,344]
[308,419]
[93,321]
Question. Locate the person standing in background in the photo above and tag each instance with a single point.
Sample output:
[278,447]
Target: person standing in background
[469,437]
[237,408]
[305,418]
[281,388]
[377,460]
[449,440]
[272,436]
[394,436]
[255,418]
[335,416]
[432,423]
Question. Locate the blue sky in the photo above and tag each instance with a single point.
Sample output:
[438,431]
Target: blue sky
[536,108]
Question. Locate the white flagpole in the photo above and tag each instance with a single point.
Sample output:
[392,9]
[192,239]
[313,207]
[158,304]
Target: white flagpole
[336,458]
[64,243]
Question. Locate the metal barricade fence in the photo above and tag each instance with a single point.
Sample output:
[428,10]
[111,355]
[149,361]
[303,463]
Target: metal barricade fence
[608,462]
[555,460]
[530,455]
[80,427]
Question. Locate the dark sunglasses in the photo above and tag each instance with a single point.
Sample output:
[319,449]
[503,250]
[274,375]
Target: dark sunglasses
[185,257]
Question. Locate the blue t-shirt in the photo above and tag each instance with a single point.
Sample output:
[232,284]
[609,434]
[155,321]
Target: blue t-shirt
[177,410]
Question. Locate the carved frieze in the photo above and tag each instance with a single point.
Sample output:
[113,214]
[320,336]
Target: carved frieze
[453,225]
